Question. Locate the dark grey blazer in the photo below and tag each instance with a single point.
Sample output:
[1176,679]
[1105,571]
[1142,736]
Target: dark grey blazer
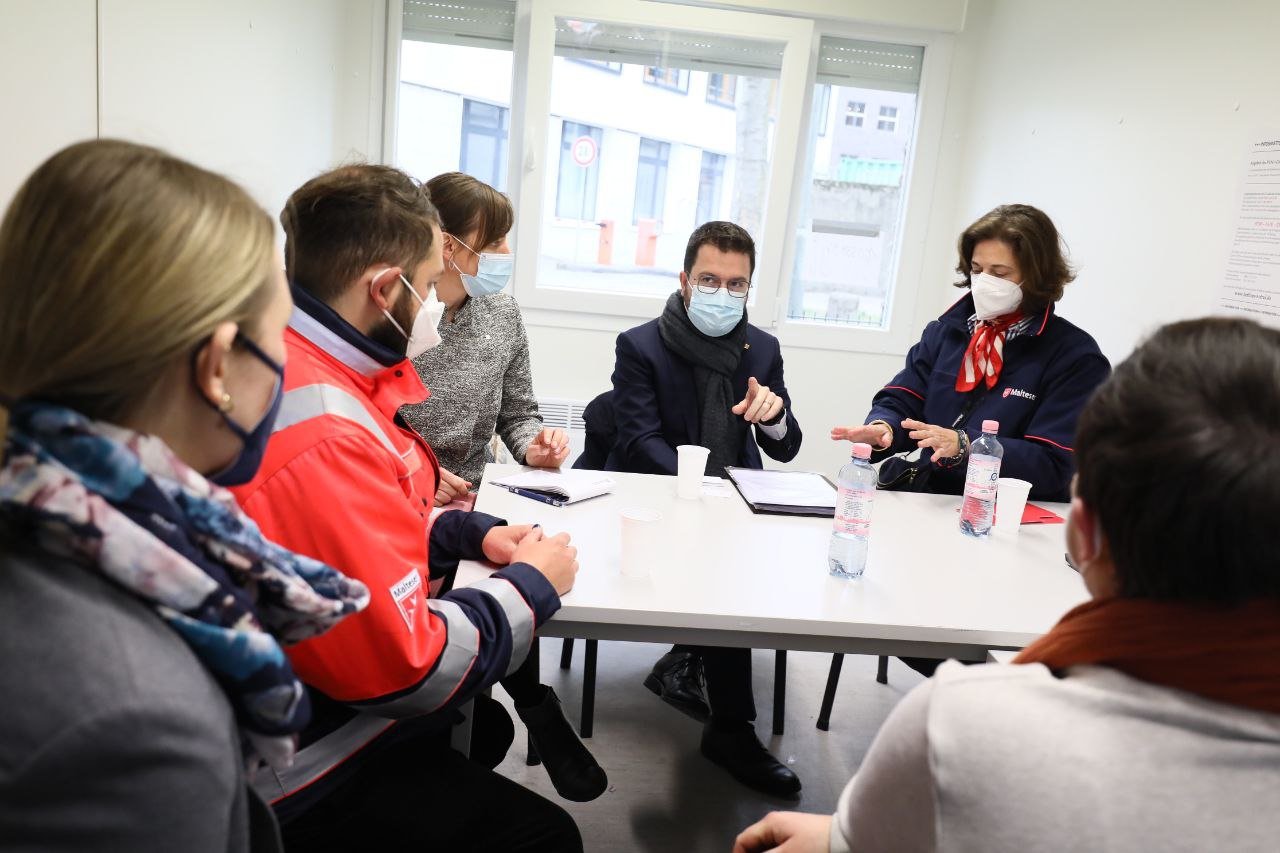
[113,736]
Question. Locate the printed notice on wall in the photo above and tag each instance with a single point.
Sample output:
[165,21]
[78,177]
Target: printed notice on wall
[1251,284]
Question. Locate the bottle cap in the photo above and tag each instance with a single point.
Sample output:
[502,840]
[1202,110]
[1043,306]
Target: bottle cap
[990,426]
[861,450]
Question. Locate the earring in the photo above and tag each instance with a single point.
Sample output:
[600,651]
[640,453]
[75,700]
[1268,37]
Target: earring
[227,405]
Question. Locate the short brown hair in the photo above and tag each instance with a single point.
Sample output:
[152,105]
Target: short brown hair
[1035,243]
[1176,453]
[467,204]
[337,224]
[725,236]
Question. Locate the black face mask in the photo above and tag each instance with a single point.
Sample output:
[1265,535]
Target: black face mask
[254,442]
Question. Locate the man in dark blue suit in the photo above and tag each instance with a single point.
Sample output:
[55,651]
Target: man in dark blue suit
[701,374]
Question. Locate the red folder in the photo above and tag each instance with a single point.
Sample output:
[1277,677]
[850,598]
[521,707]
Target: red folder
[1033,514]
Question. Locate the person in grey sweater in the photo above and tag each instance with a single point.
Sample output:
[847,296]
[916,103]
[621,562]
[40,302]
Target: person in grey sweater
[478,375]
[1148,718]
[142,615]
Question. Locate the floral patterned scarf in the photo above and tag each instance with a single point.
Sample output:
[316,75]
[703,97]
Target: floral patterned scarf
[123,504]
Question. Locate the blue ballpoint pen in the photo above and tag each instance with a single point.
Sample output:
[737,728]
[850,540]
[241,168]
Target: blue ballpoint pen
[537,496]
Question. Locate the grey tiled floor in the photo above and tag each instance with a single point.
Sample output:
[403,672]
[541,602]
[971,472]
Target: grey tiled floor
[663,795]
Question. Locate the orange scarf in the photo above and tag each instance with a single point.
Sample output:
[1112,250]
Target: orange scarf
[984,357]
[1226,653]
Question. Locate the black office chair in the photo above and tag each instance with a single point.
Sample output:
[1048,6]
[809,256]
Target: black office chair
[833,681]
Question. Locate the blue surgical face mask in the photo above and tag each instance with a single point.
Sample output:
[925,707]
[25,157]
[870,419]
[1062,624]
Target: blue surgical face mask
[254,442]
[492,274]
[715,314]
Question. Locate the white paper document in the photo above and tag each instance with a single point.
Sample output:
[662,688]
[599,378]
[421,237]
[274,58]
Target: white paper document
[571,485]
[785,488]
[1250,285]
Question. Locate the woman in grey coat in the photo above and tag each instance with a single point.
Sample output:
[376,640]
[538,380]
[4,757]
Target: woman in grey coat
[142,615]
[478,374]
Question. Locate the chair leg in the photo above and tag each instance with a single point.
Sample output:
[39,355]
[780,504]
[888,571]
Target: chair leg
[829,695]
[531,758]
[882,670]
[588,690]
[779,690]
[566,653]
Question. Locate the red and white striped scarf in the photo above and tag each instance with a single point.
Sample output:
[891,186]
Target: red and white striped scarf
[984,357]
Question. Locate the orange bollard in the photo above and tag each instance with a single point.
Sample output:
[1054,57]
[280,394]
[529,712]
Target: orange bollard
[647,243]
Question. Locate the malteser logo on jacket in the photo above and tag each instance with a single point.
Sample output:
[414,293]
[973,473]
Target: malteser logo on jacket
[1018,392]
[404,592]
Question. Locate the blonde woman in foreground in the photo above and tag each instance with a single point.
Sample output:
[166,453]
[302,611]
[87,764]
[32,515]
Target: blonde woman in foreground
[142,308]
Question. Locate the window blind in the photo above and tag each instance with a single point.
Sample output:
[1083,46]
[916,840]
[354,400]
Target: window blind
[470,23]
[608,42]
[869,64]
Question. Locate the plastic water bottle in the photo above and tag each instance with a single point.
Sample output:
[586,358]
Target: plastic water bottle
[847,554]
[978,508]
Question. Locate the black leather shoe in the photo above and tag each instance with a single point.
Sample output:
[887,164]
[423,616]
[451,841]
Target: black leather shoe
[744,756]
[677,680]
[573,770]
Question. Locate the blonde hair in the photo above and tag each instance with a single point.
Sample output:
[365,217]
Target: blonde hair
[116,259]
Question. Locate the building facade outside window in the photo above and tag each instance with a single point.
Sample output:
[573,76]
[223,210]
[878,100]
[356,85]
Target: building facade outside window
[710,186]
[484,142]
[577,185]
[651,179]
[675,79]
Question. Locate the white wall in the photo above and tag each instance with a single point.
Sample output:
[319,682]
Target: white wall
[267,93]
[48,83]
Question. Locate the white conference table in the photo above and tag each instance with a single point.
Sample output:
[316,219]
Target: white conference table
[722,575]
[726,576]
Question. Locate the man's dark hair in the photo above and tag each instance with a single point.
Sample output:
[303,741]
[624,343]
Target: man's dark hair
[338,224]
[1178,453]
[725,236]
[1034,240]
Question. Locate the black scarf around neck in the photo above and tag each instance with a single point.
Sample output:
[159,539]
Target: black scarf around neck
[714,362]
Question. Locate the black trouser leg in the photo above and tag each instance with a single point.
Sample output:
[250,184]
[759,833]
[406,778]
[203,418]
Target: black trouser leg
[728,673]
[525,686]
[422,795]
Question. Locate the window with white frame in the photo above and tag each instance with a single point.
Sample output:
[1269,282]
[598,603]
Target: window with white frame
[710,185]
[651,180]
[484,142]
[855,113]
[888,119]
[578,181]
[851,207]
[648,189]
[615,172]
[447,121]
[675,79]
[721,88]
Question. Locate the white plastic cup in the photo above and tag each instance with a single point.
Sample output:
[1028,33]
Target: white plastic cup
[640,541]
[1011,500]
[691,461]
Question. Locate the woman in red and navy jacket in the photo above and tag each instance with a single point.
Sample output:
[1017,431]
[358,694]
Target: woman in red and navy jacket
[1000,353]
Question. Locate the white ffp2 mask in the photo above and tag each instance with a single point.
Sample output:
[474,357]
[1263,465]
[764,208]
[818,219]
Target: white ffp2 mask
[425,333]
[993,296]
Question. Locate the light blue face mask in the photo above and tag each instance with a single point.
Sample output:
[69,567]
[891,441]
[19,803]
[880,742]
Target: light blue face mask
[715,314]
[492,274]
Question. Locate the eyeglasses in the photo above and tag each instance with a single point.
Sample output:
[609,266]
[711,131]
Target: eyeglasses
[708,283]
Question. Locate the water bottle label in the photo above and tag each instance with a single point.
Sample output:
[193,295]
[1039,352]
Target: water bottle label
[853,511]
[982,478]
